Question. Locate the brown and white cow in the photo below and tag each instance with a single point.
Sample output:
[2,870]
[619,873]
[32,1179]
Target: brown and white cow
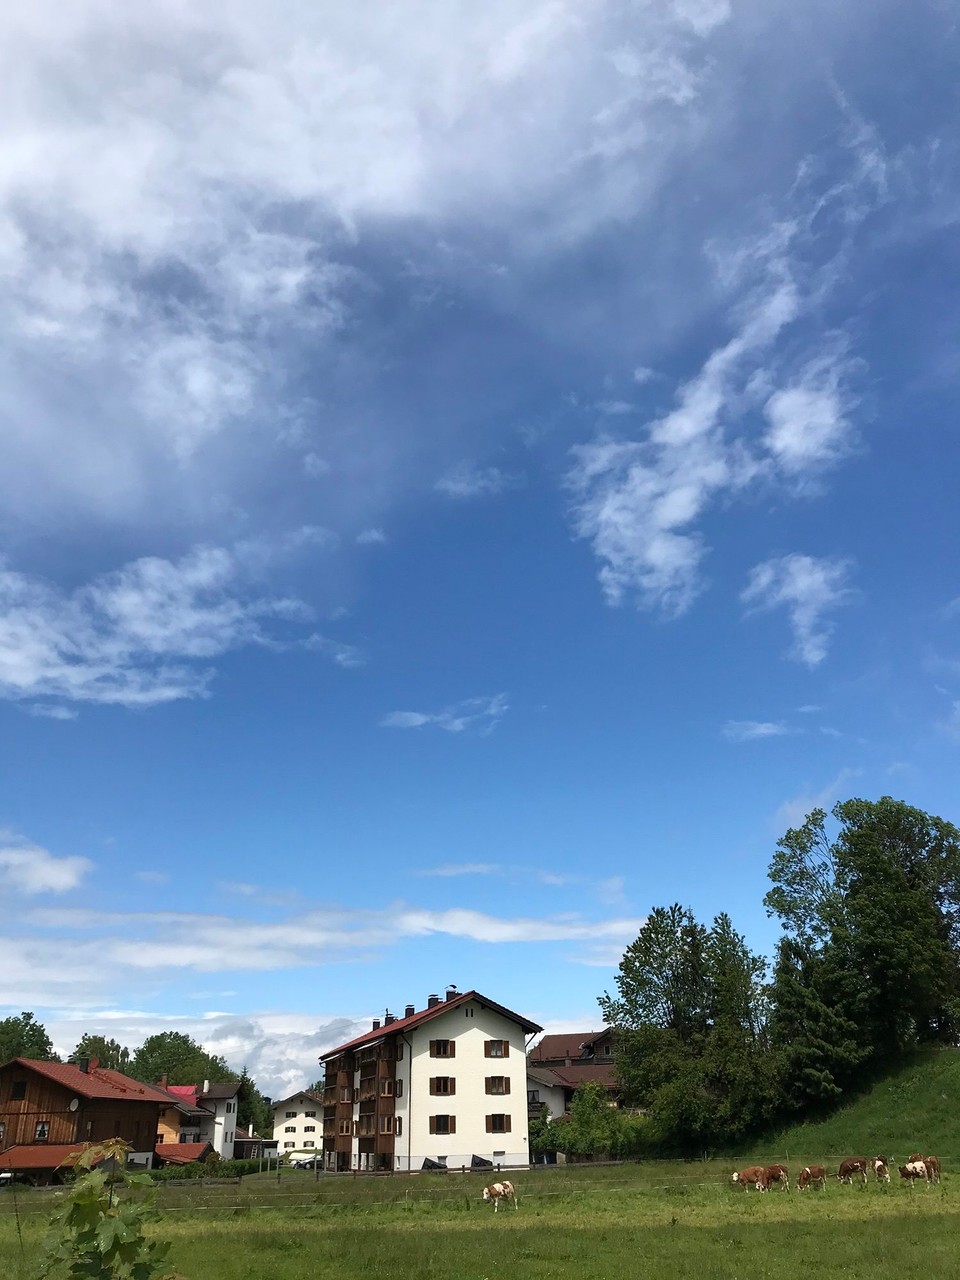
[914,1170]
[854,1167]
[932,1164]
[813,1175]
[750,1177]
[773,1175]
[498,1191]
[880,1170]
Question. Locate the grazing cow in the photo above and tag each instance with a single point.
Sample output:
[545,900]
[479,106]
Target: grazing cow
[747,1178]
[881,1172]
[775,1173]
[913,1170]
[813,1175]
[498,1191]
[855,1167]
[933,1166]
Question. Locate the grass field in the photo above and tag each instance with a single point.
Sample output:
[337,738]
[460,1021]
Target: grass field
[609,1222]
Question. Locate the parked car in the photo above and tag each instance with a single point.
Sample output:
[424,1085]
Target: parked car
[305,1162]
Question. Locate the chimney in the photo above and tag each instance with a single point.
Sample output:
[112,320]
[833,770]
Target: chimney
[163,1080]
[452,992]
[432,1001]
[83,1064]
[388,1018]
[376,1024]
[206,1087]
[409,1011]
[94,1063]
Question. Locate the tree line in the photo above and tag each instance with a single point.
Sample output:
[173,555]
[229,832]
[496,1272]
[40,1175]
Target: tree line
[169,1053]
[717,1044]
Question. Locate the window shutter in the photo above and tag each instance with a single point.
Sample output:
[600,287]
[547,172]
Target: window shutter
[433,1124]
[433,1088]
[433,1048]
[506,1084]
[453,1123]
[489,1120]
[452,1045]
[505,1044]
[488,1084]
[399,1089]
[398,1126]
[453,1084]
[506,1124]
[487,1046]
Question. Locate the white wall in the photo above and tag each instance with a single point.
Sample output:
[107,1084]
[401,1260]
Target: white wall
[550,1096]
[469,1026]
[298,1125]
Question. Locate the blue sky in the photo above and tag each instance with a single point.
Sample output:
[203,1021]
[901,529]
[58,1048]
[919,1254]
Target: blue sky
[471,474]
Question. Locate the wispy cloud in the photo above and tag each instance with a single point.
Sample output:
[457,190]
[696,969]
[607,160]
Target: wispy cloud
[450,869]
[50,711]
[140,636]
[750,730]
[611,891]
[809,425]
[371,538]
[810,590]
[482,714]
[466,480]
[792,812]
[28,869]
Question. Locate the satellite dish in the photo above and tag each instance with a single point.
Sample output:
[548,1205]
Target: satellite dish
[74,1104]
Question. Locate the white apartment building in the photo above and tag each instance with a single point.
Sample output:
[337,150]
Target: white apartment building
[298,1124]
[445,1087]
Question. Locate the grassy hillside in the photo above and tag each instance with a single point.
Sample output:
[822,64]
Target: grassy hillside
[915,1108]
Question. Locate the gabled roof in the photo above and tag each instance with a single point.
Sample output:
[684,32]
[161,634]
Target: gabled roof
[581,1072]
[401,1025]
[182,1152]
[41,1155]
[301,1093]
[546,1076]
[98,1082]
[219,1092]
[567,1044]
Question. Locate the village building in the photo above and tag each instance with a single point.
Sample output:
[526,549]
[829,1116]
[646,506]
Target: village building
[298,1124]
[444,1087]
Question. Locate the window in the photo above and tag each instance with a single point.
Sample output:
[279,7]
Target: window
[287,1146]
[229,1136]
[398,1088]
[386,1088]
[442,1085]
[290,1115]
[497,1084]
[443,1049]
[289,1128]
[309,1128]
[311,1115]
[18,1090]
[496,1048]
[443,1124]
[533,1096]
[231,1106]
[498,1124]
[399,1054]
[3,1133]
[309,1142]
[42,1132]
[386,1124]
[344,1128]
[346,1093]
[468,1012]
[398,1126]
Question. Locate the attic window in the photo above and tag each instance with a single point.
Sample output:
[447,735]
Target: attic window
[18,1090]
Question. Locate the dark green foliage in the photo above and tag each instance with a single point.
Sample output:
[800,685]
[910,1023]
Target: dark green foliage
[253,1111]
[24,1037]
[110,1054]
[200,1169]
[593,1128]
[178,1057]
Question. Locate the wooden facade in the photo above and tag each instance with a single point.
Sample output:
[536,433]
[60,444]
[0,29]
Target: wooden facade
[359,1106]
[37,1110]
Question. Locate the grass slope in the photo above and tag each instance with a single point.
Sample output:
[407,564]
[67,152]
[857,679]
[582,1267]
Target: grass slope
[916,1108]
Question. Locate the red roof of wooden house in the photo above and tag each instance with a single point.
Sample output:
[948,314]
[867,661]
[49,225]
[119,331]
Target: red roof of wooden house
[182,1152]
[97,1082]
[42,1155]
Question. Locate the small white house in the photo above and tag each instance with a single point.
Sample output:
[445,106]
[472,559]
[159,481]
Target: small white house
[298,1124]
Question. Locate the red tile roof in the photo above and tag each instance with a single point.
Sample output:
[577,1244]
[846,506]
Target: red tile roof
[41,1155]
[569,1044]
[407,1024]
[185,1092]
[182,1152]
[603,1073]
[100,1082]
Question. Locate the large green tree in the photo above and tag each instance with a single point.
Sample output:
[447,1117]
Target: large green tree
[253,1110]
[869,901]
[24,1037]
[110,1053]
[178,1057]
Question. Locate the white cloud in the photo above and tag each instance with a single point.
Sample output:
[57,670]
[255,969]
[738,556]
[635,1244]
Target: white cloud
[792,812]
[50,711]
[809,589]
[448,869]
[371,538]
[483,714]
[135,637]
[611,891]
[750,730]
[809,426]
[642,375]
[466,481]
[28,869]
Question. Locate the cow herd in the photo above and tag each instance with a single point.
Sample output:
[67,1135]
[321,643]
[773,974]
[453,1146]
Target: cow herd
[925,1169]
